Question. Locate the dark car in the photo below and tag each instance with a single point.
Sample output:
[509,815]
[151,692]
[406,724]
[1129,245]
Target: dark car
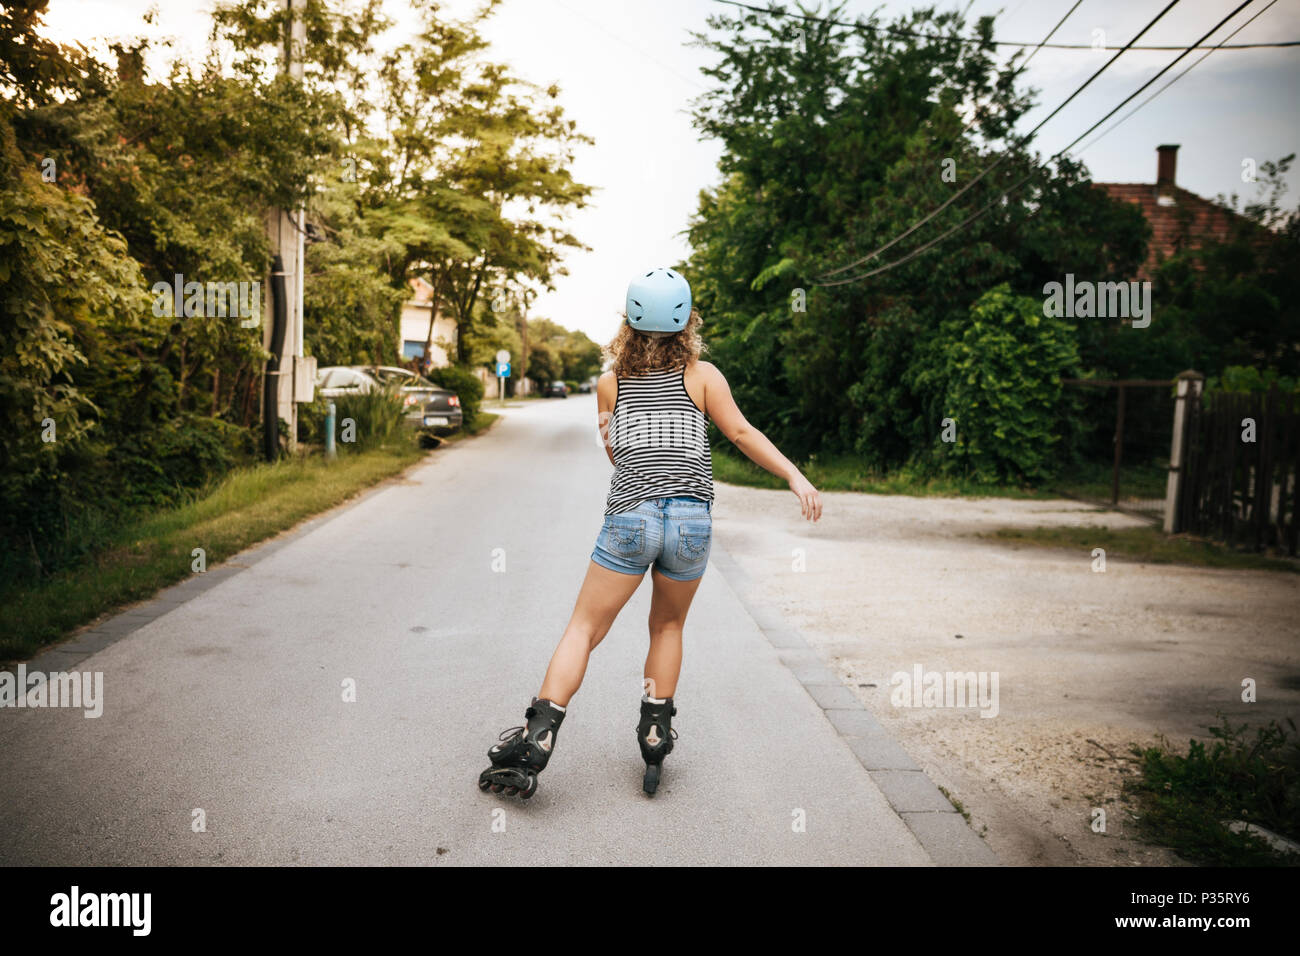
[427,405]
[557,390]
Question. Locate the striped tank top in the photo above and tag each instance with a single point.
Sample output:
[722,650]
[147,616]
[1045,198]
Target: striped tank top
[659,439]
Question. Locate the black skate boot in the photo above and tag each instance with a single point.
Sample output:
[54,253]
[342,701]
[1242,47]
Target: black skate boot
[523,752]
[655,734]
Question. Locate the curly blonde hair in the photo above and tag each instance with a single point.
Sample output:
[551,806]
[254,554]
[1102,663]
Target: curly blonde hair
[634,352]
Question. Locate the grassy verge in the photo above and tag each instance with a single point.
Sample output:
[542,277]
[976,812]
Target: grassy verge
[1186,798]
[848,474]
[1148,544]
[156,550]
[1136,482]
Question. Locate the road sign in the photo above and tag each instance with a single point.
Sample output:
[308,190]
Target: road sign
[503,356]
[503,369]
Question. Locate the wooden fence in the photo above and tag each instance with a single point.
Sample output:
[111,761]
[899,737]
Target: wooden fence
[1239,481]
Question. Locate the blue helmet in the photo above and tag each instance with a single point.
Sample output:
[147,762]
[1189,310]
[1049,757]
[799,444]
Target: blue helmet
[659,301]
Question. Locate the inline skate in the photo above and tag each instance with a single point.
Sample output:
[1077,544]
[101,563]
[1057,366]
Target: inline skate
[523,751]
[655,734]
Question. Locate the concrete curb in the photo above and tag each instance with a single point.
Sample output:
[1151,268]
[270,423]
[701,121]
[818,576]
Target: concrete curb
[942,832]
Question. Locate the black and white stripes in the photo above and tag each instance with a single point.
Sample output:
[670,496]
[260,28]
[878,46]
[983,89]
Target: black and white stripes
[659,439]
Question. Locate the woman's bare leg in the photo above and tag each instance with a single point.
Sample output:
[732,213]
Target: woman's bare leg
[603,594]
[668,607]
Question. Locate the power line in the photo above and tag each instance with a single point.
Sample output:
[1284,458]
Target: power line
[1050,34]
[1059,153]
[896,31]
[1001,159]
[1123,119]
[657,61]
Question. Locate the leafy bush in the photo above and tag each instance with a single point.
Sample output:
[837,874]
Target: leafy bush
[464,383]
[311,421]
[999,374]
[1186,799]
[159,466]
[1247,378]
[376,417]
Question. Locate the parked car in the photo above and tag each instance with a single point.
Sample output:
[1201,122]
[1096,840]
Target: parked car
[427,405]
[557,390]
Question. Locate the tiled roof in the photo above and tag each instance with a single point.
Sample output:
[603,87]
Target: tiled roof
[1185,223]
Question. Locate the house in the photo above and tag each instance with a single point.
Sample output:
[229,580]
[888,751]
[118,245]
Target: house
[1179,219]
[415,328]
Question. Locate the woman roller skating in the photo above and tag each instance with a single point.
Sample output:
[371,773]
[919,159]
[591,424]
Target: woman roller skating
[654,408]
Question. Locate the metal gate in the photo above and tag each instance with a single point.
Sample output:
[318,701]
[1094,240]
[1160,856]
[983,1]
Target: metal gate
[1124,457]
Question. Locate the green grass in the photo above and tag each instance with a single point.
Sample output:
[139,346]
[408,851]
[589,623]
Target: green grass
[1185,798]
[846,473]
[1093,481]
[1147,544]
[155,550]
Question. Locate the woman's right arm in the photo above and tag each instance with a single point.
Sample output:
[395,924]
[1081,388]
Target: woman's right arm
[606,395]
[757,447]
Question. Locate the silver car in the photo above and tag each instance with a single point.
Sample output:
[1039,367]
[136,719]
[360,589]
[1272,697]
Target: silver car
[427,405]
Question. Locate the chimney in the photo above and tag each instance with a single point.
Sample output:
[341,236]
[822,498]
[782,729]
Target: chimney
[130,63]
[1166,170]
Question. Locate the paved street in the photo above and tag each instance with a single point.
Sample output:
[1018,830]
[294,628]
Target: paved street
[232,701]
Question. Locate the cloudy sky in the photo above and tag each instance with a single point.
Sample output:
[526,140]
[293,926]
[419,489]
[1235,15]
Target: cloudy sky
[628,77]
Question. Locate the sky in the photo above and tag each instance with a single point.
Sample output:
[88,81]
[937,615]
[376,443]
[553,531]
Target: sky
[628,77]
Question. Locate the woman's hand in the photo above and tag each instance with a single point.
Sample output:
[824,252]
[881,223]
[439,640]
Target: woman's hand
[810,500]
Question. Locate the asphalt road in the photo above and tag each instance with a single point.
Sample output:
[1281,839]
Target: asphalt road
[232,702]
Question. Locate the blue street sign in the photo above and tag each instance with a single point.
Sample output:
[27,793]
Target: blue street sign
[503,369]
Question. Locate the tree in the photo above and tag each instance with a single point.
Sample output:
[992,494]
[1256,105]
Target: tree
[1234,301]
[478,171]
[834,144]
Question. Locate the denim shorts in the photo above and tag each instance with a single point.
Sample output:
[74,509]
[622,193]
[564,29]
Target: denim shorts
[673,534]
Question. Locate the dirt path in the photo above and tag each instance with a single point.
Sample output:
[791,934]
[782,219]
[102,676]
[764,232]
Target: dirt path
[1087,663]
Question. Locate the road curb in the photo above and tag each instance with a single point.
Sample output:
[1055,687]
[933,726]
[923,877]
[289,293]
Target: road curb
[937,825]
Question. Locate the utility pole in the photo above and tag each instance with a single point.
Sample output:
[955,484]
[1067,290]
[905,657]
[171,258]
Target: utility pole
[523,338]
[286,230]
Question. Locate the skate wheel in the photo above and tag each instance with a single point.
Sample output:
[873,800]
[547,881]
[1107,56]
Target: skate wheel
[498,787]
[528,791]
[483,785]
[511,791]
[651,782]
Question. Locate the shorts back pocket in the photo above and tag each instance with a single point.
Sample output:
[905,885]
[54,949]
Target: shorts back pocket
[693,541]
[625,535]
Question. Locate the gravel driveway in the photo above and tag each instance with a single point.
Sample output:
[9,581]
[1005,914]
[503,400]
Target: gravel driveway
[1087,663]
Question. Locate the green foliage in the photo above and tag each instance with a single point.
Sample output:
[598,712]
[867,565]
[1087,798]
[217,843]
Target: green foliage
[1186,798]
[425,161]
[558,354]
[465,384]
[1248,379]
[999,373]
[834,144]
[376,417]
[544,365]
[475,181]
[1228,302]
